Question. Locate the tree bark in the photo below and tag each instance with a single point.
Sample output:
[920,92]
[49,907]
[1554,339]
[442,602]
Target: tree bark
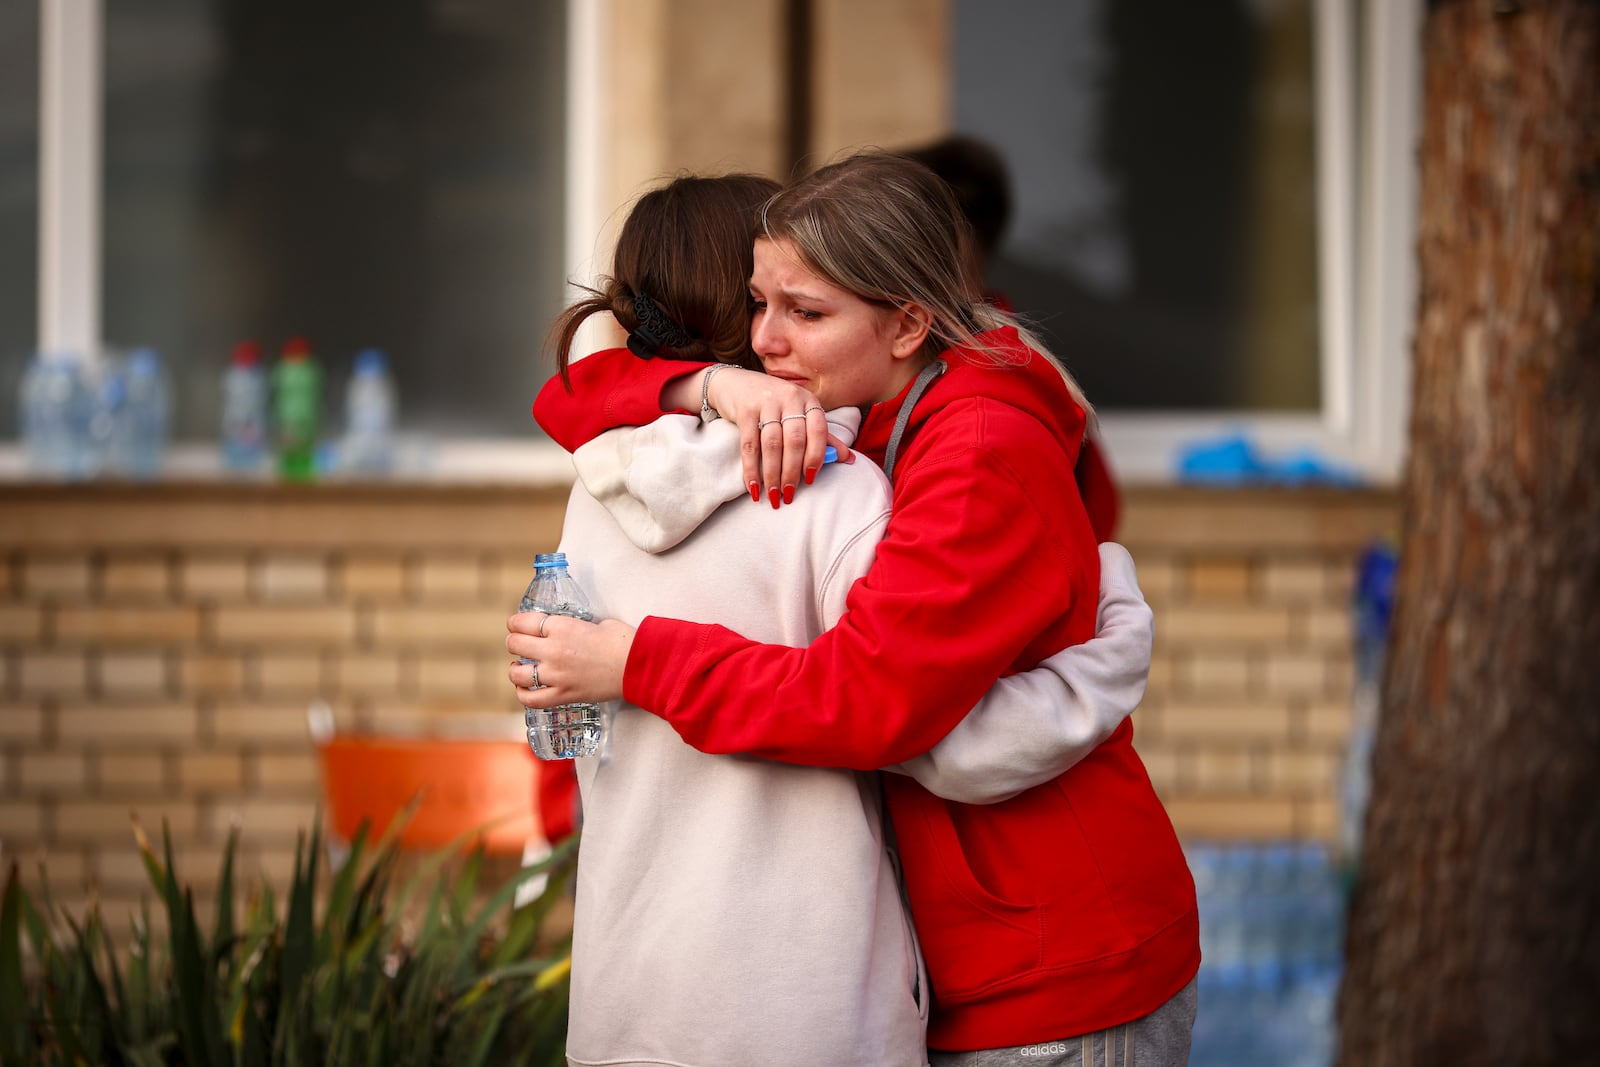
[1474,934]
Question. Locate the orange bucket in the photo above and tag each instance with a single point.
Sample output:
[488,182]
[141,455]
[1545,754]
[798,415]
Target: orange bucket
[464,784]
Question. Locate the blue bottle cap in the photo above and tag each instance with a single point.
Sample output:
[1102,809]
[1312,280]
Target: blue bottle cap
[144,361]
[830,454]
[371,361]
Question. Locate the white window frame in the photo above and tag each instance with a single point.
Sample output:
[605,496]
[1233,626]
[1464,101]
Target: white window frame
[70,235]
[70,90]
[1366,195]
[1366,221]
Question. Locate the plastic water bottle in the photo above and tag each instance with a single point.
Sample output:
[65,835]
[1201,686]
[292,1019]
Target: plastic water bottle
[244,410]
[369,412]
[55,408]
[566,731]
[141,415]
[297,410]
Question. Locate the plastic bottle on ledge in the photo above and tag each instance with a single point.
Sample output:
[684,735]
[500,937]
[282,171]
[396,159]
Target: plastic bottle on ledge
[141,422]
[567,731]
[244,410]
[55,407]
[369,406]
[297,410]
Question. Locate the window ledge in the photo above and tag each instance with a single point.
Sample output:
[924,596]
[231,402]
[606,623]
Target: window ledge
[465,462]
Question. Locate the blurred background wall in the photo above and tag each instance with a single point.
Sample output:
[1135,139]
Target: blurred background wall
[403,174]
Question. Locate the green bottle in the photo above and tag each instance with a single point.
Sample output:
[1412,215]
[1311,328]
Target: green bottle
[296,408]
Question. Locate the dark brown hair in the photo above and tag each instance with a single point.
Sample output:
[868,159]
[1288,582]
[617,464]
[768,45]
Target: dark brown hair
[688,245]
[978,177]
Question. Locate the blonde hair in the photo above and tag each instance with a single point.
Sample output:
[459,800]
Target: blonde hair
[888,230]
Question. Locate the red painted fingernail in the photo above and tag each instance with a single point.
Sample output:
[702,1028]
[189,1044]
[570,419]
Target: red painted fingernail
[811,475]
[755,492]
[788,494]
[772,495]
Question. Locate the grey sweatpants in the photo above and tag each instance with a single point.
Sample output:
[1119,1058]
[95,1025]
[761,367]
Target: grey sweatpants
[1160,1039]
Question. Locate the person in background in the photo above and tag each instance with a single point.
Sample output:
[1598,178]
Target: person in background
[981,183]
[1059,924]
[734,911]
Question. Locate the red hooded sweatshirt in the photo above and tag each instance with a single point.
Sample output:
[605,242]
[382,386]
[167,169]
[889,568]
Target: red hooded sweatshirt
[1065,910]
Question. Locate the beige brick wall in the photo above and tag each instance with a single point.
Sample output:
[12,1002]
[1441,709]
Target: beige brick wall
[159,647]
[1245,721]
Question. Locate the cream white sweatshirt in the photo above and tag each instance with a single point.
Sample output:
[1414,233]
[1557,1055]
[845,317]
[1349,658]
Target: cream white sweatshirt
[730,912]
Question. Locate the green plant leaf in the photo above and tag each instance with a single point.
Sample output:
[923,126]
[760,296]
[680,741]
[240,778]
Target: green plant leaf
[33,924]
[483,1043]
[152,866]
[47,902]
[556,968]
[14,999]
[138,981]
[199,1030]
[466,886]
[63,1014]
[431,919]
[340,911]
[297,940]
[252,1046]
[127,1020]
[526,921]
[97,1025]
[429,869]
[222,928]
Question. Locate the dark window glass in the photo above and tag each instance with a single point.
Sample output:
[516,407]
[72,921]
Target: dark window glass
[19,200]
[363,173]
[1162,157]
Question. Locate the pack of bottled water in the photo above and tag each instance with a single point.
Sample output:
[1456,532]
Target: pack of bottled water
[1271,945]
[56,406]
[85,418]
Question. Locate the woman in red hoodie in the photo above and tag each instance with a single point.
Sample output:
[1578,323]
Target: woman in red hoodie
[1059,925]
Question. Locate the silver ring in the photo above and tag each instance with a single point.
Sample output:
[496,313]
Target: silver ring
[813,407]
[542,622]
[763,425]
[536,683]
[786,418]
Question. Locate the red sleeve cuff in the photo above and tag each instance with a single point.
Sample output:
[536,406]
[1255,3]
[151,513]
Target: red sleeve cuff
[609,389]
[661,650]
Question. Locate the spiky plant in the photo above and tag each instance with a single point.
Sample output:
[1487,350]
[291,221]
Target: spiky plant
[345,982]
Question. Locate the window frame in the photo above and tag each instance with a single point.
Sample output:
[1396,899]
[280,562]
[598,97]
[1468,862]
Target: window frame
[1368,108]
[1368,116]
[70,230]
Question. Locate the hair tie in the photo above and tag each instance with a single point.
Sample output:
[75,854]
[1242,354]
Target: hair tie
[655,330]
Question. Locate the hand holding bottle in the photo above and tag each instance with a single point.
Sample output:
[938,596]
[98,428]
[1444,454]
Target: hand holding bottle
[571,726]
[577,660]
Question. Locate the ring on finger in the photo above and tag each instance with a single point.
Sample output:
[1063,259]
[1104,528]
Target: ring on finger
[786,418]
[541,624]
[813,407]
[536,683]
[769,422]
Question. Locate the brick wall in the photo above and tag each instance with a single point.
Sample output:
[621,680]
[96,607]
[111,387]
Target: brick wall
[1244,724]
[159,647]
